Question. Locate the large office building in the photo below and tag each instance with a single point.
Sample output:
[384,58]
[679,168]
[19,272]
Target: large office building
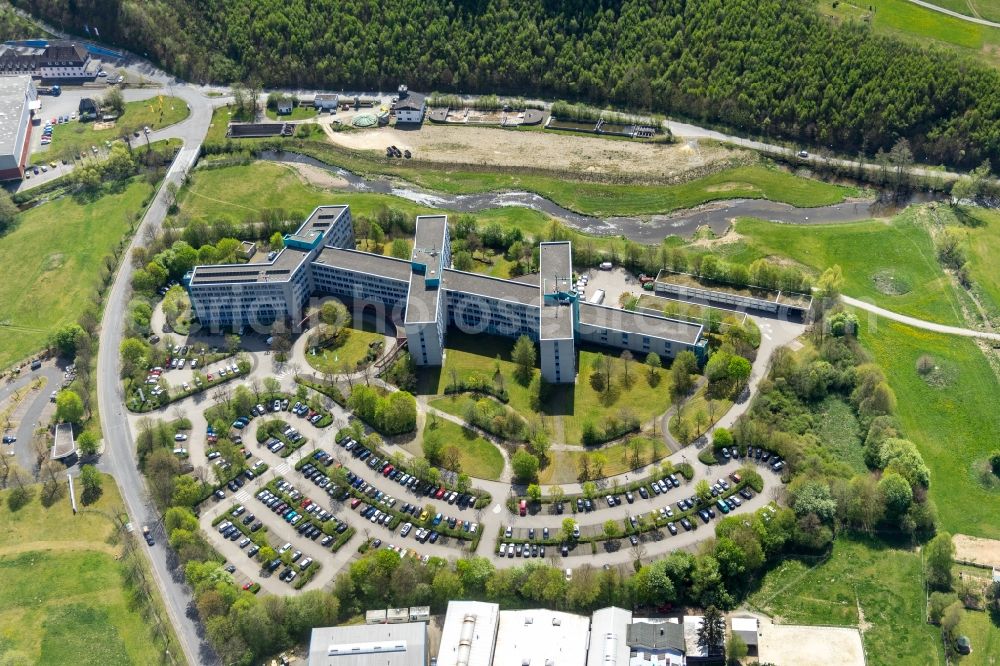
[54,61]
[402,644]
[18,103]
[425,296]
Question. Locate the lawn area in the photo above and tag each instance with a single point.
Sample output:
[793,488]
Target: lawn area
[983,249]
[299,112]
[354,349]
[564,466]
[581,402]
[984,636]
[953,421]
[75,137]
[478,457]
[700,413]
[57,250]
[568,407]
[885,582]
[901,18]
[892,264]
[62,601]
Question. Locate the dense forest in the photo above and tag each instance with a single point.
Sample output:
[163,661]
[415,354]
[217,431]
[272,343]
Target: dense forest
[766,66]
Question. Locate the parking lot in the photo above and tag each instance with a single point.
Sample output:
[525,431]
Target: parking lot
[614,282]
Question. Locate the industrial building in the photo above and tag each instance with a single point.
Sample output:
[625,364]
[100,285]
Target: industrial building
[410,107]
[480,634]
[18,104]
[425,296]
[403,644]
[57,60]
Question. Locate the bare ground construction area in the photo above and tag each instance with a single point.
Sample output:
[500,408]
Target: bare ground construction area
[799,645]
[976,550]
[544,150]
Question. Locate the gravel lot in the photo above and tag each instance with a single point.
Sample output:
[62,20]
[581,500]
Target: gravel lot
[797,645]
[541,149]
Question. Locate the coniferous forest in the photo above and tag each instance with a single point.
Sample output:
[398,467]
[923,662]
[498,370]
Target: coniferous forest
[771,67]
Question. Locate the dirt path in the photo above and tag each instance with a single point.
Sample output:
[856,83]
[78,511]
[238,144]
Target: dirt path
[542,149]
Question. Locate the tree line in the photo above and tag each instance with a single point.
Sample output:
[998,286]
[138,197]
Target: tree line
[773,67]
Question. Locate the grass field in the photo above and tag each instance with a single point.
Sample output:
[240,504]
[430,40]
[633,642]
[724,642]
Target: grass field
[984,637]
[953,424]
[478,457]
[75,137]
[983,249]
[347,355]
[886,584]
[564,466]
[564,413]
[298,113]
[904,19]
[62,600]
[892,264]
[697,405]
[57,250]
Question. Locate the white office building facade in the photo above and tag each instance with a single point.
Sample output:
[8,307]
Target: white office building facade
[425,296]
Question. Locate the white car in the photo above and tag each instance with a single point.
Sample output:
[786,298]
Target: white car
[180,437]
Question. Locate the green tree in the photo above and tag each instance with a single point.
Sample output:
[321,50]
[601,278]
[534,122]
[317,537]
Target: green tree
[721,438]
[896,493]
[69,406]
[736,650]
[277,241]
[525,466]
[703,490]
[114,101]
[712,631]
[87,443]
[939,557]
[8,211]
[400,249]
[187,491]
[524,356]
[91,481]
[611,528]
[534,492]
[653,365]
[568,527]
[684,366]
[65,339]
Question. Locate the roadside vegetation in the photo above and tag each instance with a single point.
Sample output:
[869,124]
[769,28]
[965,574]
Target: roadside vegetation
[67,595]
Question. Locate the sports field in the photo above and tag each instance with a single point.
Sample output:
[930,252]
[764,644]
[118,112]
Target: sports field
[57,254]
[62,600]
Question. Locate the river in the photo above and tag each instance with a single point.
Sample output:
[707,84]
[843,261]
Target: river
[718,215]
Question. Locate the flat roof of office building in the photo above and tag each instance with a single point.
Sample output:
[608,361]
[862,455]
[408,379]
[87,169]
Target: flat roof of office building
[13,97]
[555,274]
[365,262]
[608,637]
[422,298]
[403,644]
[539,636]
[602,316]
[279,270]
[469,633]
[491,287]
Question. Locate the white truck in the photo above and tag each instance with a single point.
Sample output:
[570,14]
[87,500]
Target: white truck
[598,297]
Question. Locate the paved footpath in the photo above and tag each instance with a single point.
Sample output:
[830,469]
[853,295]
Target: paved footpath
[920,323]
[949,12]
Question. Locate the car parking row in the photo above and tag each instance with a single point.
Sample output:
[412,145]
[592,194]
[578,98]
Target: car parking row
[379,507]
[754,454]
[408,481]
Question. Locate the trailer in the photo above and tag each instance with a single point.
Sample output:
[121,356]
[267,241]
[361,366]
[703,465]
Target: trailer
[55,90]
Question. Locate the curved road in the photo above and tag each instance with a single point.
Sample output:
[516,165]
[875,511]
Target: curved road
[964,17]
[119,453]
[920,323]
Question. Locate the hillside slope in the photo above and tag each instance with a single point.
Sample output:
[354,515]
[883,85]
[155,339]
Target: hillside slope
[770,66]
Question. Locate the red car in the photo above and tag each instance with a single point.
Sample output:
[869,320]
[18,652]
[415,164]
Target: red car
[209,376]
[440,493]
[388,470]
